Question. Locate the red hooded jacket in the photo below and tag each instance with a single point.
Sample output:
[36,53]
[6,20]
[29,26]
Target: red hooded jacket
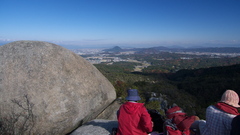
[182,121]
[133,119]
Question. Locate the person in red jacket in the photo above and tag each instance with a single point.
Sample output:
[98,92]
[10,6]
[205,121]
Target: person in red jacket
[177,122]
[133,117]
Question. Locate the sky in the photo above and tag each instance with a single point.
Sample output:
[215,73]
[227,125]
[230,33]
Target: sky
[124,23]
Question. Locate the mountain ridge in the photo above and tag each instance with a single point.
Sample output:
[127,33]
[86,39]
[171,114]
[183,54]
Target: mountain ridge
[177,49]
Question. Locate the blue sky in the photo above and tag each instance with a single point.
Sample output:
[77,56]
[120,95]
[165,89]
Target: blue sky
[126,23]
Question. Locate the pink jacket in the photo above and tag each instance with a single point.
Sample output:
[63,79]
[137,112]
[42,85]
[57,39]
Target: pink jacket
[133,119]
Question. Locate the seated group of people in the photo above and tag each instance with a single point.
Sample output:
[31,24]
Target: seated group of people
[221,119]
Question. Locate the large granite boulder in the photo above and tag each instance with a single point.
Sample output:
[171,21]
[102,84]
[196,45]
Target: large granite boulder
[47,89]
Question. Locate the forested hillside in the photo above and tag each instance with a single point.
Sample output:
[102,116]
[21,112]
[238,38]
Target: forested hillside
[166,62]
[207,84]
[193,90]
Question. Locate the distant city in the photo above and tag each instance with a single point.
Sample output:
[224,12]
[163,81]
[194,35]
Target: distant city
[97,56]
[109,56]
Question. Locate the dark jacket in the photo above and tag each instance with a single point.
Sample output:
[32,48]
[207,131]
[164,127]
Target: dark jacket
[235,126]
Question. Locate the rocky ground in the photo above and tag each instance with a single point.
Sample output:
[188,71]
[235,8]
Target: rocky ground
[96,127]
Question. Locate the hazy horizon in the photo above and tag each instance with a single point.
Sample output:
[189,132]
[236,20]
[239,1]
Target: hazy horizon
[129,46]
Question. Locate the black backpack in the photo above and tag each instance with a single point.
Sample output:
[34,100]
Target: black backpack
[157,120]
[114,131]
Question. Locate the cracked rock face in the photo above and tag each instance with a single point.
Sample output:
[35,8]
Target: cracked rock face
[52,89]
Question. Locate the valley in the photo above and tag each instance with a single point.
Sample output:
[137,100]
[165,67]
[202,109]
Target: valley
[189,79]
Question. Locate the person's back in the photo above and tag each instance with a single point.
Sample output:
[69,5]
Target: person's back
[219,116]
[133,118]
[218,122]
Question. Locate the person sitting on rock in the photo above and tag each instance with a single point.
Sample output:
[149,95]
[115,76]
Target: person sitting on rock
[219,116]
[133,117]
[177,122]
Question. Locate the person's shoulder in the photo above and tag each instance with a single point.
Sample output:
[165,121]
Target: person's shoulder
[211,107]
[141,105]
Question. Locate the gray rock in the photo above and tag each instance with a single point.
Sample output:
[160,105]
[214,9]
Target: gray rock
[96,127]
[49,89]
[110,113]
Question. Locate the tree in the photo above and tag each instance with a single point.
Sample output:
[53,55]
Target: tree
[20,120]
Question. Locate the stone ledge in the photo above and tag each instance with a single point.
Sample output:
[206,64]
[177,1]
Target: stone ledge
[96,127]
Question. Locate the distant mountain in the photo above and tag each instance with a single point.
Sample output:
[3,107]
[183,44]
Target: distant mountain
[202,49]
[176,47]
[215,49]
[160,48]
[155,50]
[114,49]
[148,51]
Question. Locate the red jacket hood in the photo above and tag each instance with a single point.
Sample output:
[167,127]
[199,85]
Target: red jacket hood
[227,108]
[132,107]
[180,118]
[175,111]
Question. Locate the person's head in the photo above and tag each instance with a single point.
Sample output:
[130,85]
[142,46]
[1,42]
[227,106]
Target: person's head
[230,97]
[133,95]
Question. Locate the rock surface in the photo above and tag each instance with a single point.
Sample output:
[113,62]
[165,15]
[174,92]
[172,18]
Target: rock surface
[96,127]
[110,113]
[52,89]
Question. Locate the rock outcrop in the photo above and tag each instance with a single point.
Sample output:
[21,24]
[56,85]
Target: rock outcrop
[110,113]
[96,127]
[48,89]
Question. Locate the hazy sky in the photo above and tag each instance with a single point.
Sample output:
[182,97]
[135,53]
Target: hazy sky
[133,23]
